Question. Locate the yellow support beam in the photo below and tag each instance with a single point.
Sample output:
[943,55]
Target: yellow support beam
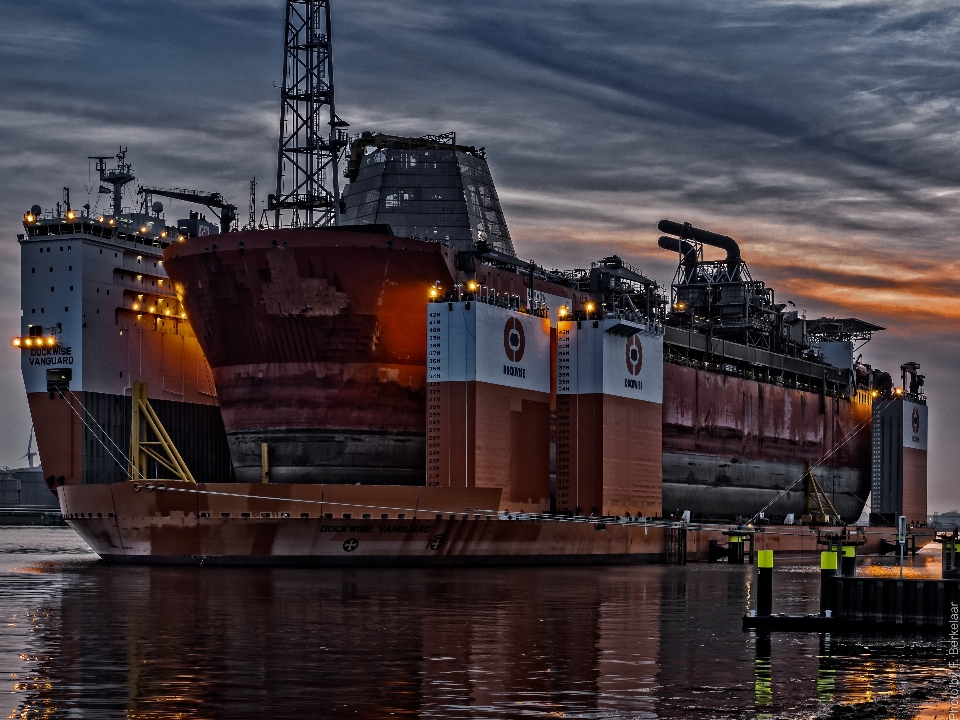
[144,421]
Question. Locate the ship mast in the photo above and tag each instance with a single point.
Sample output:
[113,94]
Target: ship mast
[117,177]
[311,138]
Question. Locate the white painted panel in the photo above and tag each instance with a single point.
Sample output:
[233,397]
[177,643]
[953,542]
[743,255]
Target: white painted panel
[592,360]
[914,425]
[476,341]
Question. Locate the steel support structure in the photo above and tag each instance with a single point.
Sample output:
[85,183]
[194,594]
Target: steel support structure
[311,139]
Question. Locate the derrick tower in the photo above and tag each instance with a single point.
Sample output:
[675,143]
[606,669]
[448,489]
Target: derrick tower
[311,134]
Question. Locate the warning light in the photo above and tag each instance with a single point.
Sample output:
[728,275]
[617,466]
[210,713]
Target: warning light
[71,214]
[16,342]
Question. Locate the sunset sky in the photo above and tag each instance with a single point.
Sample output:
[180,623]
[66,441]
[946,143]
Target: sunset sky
[823,136]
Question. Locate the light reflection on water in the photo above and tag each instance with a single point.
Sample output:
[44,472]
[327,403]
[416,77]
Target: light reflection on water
[85,639]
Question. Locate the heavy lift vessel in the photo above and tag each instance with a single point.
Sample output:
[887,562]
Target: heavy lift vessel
[620,403]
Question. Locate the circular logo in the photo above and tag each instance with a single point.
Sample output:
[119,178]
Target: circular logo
[350,544]
[436,542]
[916,420]
[513,342]
[634,355]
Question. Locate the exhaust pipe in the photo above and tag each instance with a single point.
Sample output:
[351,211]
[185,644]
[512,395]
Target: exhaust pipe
[688,232]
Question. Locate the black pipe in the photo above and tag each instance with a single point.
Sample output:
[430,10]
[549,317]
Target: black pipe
[688,255]
[689,232]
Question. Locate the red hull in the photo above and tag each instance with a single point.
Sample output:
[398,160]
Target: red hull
[317,340]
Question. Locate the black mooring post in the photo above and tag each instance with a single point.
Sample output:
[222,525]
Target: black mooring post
[764,582]
[828,571]
[848,562]
[735,550]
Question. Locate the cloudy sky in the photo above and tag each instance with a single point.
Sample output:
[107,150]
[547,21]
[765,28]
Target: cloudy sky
[824,136]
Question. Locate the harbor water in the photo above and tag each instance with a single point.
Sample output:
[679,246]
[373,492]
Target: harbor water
[85,639]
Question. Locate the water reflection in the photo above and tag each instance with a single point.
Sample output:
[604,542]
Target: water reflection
[639,642]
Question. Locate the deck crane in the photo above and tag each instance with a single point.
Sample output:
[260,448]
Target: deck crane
[211,200]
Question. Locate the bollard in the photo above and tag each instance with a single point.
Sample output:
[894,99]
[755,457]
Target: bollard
[764,582]
[848,561]
[828,571]
[735,550]
[949,560]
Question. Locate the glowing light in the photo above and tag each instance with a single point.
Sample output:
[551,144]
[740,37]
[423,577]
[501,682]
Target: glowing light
[180,238]
[562,312]
[50,341]
[136,307]
[152,308]
[163,234]
[28,342]
[139,317]
[874,393]
[71,214]
[183,315]
[100,219]
[112,222]
[590,306]
[167,312]
[471,286]
[16,342]
[434,292]
[899,391]
[29,217]
[143,229]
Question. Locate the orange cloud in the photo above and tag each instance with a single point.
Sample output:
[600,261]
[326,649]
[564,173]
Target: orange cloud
[909,289]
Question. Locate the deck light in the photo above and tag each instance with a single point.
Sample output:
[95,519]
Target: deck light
[28,342]
[471,286]
[136,307]
[183,315]
[50,340]
[71,214]
[16,342]
[112,222]
[562,312]
[163,234]
[590,307]
[143,229]
[29,217]
[433,292]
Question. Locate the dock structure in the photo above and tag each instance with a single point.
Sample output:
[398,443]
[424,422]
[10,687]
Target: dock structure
[858,603]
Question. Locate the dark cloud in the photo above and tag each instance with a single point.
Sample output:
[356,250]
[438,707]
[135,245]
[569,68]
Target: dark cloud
[823,135]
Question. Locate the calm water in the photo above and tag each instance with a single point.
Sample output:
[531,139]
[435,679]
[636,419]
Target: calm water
[85,639]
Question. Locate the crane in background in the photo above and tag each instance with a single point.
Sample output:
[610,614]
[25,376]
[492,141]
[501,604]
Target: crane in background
[212,200]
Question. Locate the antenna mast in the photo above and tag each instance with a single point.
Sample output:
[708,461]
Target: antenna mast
[311,139]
